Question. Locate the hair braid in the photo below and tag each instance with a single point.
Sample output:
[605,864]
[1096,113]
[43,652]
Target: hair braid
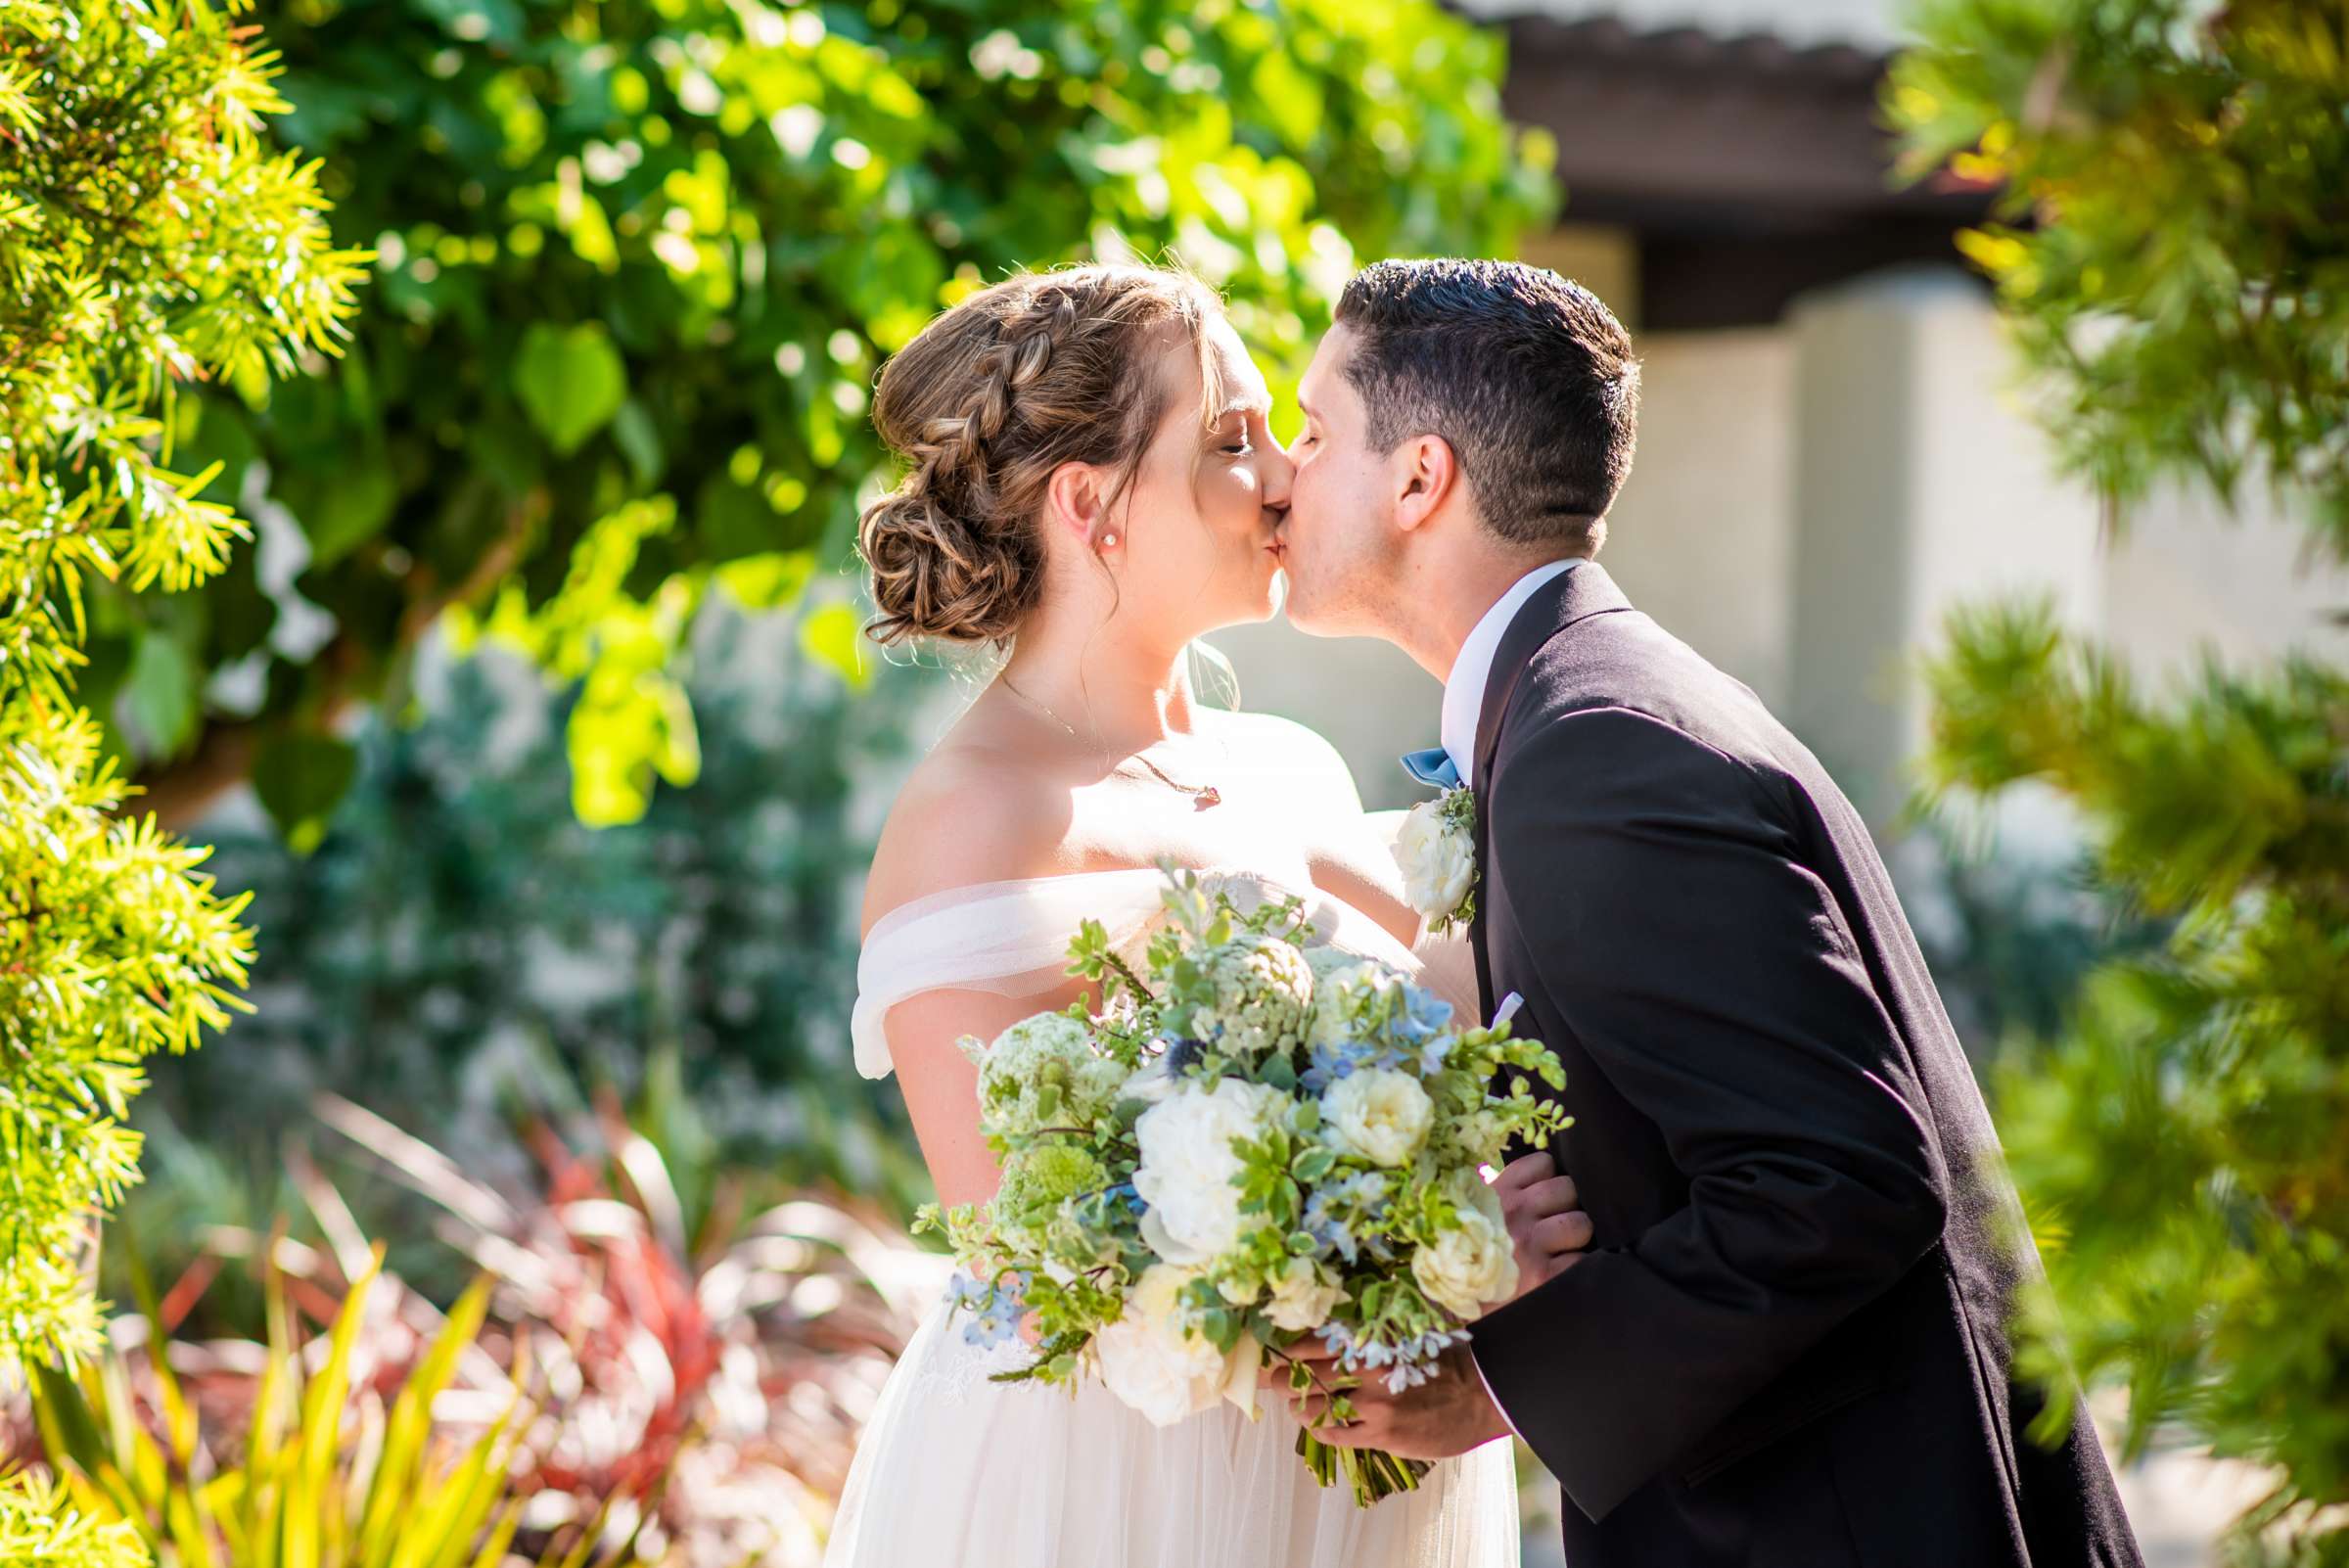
[983,406]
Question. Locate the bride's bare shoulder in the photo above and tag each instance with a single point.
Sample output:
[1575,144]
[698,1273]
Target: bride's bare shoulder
[972,811]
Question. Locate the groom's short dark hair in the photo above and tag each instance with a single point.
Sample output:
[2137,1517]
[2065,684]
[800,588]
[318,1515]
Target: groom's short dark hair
[1527,376]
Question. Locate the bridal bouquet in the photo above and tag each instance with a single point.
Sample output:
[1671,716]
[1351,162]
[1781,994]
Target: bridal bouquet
[1254,1142]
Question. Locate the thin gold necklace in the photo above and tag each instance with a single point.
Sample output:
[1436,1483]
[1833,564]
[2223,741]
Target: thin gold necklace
[1203,796]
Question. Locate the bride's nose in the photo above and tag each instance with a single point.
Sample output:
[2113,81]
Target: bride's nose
[1274,475]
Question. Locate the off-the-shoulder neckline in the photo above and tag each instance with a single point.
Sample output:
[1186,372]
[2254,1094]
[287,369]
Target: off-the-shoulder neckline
[913,910]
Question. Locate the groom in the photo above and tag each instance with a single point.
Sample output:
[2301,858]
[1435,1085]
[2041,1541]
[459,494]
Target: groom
[1787,1344]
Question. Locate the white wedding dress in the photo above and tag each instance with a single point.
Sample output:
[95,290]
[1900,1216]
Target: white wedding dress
[954,1471]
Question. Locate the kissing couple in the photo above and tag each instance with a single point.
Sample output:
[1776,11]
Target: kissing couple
[1763,1281]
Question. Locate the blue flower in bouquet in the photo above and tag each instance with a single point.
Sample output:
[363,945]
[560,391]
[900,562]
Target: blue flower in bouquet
[1328,1064]
[1367,1016]
[1331,1214]
[995,1310]
[1329,1231]
[1181,1054]
[1423,1013]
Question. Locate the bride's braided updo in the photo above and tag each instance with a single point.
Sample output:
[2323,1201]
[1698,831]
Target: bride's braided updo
[1039,370]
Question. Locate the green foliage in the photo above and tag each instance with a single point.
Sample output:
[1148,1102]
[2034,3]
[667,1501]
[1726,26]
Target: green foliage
[2174,259]
[2186,1143]
[2182,1145]
[301,1487]
[459,945]
[638,263]
[131,141]
[39,1529]
[2184,295]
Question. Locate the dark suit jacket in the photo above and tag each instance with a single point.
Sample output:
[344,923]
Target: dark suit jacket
[1788,1344]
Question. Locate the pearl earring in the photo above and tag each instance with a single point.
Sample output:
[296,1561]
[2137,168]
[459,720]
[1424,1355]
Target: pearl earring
[1109,542]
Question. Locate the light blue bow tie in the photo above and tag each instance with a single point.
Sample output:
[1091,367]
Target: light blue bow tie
[1433,767]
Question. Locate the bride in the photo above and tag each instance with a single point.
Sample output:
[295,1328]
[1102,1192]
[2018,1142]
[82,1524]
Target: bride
[1091,486]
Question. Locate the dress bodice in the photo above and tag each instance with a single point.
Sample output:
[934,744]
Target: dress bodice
[1012,939]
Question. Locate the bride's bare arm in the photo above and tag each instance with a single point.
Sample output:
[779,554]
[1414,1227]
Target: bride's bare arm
[966,817]
[941,1084]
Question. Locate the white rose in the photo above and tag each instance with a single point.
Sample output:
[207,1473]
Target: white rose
[1303,1296]
[1438,860]
[1187,1164]
[1151,1361]
[1379,1114]
[1467,1266]
[1239,1373]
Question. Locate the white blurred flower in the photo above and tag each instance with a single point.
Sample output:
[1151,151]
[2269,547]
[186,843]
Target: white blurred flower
[1187,1164]
[1379,1114]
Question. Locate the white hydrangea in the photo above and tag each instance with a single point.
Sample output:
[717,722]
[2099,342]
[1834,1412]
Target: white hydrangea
[1048,1051]
[1187,1164]
[1262,987]
[1152,1361]
[1473,1262]
[1379,1114]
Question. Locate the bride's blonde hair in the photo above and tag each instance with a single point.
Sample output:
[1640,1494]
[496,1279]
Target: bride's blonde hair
[1041,369]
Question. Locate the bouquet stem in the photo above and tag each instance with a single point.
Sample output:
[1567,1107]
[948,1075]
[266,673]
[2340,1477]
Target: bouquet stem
[1373,1472]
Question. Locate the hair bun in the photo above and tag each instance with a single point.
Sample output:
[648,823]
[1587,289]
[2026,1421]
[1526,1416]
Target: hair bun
[936,576]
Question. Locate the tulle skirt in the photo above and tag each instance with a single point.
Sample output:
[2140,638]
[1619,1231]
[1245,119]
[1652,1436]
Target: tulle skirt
[958,1472]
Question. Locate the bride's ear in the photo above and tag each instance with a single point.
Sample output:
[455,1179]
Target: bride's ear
[1426,472]
[1077,504]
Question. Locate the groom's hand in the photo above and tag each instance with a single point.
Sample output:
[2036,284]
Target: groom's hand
[1448,1414]
[1548,1233]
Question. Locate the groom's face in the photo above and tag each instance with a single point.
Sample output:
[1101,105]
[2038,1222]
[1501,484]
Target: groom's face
[1338,545]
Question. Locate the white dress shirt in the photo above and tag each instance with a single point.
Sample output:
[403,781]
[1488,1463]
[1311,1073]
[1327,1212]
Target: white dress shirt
[1463,707]
[1464,690]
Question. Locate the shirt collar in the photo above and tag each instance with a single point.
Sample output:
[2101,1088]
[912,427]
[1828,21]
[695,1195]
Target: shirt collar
[1464,692]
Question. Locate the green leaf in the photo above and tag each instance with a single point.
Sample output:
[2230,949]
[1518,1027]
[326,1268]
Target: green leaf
[157,704]
[570,381]
[301,776]
[834,635]
[353,508]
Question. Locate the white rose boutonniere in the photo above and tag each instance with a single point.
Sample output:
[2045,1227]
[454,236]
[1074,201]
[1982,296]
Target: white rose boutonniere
[1437,852]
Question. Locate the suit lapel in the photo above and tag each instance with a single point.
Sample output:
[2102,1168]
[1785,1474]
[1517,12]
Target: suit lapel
[1582,591]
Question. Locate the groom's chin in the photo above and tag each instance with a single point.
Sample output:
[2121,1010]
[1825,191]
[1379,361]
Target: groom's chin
[1300,615]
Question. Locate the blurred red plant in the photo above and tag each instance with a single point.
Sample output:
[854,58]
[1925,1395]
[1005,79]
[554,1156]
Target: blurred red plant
[698,1392]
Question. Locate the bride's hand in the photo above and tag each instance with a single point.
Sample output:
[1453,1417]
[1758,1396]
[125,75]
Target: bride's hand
[1547,1232]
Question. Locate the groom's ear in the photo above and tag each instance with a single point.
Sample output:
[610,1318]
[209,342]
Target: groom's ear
[1427,475]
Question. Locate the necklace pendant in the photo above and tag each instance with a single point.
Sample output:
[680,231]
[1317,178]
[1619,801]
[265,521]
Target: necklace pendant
[1209,796]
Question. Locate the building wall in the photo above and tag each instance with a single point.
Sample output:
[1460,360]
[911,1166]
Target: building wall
[1702,536]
